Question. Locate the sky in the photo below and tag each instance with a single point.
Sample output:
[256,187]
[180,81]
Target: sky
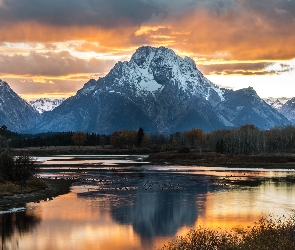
[50,48]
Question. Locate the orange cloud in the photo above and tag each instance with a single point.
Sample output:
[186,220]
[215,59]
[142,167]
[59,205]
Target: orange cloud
[246,31]
[52,64]
[32,88]
[239,29]
[224,37]
[35,32]
[242,36]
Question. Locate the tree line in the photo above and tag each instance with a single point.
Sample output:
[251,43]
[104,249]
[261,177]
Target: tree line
[246,139]
[57,139]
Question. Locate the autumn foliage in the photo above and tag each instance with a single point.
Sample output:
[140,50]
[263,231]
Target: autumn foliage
[79,138]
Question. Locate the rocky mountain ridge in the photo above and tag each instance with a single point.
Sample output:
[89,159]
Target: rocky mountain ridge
[161,92]
[15,112]
[285,108]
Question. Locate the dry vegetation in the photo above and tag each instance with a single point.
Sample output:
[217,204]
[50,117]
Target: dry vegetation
[10,188]
[267,234]
[174,156]
[215,159]
[73,150]
[36,190]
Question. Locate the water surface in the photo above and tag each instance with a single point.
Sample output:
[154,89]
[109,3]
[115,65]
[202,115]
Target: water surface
[131,204]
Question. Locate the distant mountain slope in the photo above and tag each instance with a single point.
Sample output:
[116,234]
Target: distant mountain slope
[45,104]
[15,113]
[288,110]
[285,108]
[276,104]
[244,106]
[107,113]
[161,92]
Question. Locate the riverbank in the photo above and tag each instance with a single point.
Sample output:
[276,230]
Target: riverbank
[79,150]
[51,189]
[17,196]
[284,161]
[163,156]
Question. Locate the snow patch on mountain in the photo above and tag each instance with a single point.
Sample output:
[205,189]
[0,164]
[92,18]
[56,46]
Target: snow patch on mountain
[150,70]
[276,104]
[46,104]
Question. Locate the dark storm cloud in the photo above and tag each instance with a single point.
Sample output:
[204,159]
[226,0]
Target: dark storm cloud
[274,11]
[105,13]
[110,13]
[76,12]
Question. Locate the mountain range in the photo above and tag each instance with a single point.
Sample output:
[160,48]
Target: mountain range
[287,108]
[156,90]
[46,104]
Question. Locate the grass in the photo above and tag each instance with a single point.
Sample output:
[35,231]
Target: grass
[172,155]
[10,188]
[267,234]
[83,150]
[215,159]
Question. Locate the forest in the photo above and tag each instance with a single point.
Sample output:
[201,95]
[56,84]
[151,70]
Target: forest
[246,139]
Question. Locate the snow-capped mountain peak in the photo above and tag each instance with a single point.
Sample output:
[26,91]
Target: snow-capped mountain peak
[161,92]
[157,90]
[150,70]
[276,104]
[46,104]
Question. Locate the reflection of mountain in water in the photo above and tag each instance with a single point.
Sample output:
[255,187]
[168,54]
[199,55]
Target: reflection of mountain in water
[156,204]
[160,207]
[12,223]
[158,213]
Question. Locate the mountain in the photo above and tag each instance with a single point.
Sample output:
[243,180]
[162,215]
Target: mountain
[161,92]
[15,113]
[288,110]
[244,106]
[276,104]
[285,108]
[45,104]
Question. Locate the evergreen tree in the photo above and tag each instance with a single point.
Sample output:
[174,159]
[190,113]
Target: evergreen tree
[140,135]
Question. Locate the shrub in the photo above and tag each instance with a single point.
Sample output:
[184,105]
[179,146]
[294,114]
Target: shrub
[37,183]
[24,168]
[6,167]
[18,169]
[184,150]
[266,234]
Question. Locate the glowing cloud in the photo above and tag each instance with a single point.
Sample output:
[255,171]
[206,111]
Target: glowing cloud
[66,40]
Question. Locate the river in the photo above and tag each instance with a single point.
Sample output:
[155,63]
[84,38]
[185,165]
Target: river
[125,202]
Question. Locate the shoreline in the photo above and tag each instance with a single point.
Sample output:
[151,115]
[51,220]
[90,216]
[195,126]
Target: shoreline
[267,161]
[54,188]
[173,156]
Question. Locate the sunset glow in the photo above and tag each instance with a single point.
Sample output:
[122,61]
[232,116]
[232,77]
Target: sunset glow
[50,49]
